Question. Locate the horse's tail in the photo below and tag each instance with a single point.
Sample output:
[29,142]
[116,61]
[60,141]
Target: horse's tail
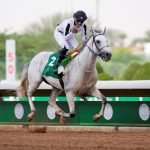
[21,91]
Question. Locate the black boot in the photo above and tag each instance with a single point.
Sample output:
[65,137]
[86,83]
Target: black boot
[61,56]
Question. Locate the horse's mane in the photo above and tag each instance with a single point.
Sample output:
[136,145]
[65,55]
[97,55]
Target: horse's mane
[83,45]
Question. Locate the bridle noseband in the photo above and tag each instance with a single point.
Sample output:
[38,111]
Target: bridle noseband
[99,49]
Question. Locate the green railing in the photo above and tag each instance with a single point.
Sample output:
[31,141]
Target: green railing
[62,98]
[118,113]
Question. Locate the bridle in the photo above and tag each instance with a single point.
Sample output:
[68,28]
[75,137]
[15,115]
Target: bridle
[99,49]
[91,49]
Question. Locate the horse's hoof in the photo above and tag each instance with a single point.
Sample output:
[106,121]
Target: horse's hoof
[72,115]
[62,120]
[30,117]
[96,117]
[58,112]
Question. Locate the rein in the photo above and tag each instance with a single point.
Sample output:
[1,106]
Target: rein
[91,49]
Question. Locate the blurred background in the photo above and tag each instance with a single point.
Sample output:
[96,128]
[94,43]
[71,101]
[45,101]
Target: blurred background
[31,24]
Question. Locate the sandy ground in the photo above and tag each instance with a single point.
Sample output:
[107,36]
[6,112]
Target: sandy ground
[22,139]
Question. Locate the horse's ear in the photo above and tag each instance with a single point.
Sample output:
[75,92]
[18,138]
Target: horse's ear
[104,31]
[96,28]
[93,30]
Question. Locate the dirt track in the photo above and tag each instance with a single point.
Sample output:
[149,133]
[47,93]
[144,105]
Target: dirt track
[21,139]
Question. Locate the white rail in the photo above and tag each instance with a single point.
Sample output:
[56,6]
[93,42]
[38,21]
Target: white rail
[108,88]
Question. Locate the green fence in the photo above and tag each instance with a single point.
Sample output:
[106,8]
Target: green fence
[45,98]
[118,113]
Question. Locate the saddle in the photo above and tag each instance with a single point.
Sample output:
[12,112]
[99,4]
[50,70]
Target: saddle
[50,68]
[70,56]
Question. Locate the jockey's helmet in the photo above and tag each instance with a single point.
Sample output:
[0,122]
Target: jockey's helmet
[80,16]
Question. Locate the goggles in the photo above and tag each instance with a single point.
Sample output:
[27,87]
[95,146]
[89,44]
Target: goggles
[79,20]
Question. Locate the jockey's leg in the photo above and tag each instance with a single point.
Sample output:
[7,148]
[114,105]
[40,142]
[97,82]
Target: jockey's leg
[59,37]
[61,56]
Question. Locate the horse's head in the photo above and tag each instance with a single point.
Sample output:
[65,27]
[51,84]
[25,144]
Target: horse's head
[100,45]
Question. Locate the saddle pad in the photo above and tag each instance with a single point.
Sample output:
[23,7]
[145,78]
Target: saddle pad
[50,68]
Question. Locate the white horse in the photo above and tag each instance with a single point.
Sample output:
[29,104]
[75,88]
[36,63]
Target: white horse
[79,79]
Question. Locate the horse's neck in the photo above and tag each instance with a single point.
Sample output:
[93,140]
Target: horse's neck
[87,58]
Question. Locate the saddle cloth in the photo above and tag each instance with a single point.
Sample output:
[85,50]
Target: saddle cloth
[50,68]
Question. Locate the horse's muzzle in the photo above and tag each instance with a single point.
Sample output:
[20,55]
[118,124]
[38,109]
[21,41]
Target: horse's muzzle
[105,55]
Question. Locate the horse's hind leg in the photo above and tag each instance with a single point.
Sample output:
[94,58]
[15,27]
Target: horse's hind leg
[31,88]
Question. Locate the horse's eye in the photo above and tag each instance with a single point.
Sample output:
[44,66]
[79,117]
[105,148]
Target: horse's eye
[98,41]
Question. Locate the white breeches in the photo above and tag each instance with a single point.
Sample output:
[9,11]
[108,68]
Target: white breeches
[70,43]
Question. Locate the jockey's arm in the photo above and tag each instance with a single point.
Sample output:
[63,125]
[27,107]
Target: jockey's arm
[84,33]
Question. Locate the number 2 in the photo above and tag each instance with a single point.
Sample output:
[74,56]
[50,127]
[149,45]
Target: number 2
[52,62]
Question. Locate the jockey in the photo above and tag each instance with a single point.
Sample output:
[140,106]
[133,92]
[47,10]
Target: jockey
[64,33]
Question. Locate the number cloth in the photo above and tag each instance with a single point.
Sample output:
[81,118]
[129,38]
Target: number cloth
[50,67]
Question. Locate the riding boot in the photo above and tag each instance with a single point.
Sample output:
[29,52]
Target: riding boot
[61,56]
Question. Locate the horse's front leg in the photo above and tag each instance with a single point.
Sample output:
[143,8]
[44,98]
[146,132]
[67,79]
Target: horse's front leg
[52,102]
[96,93]
[101,113]
[70,99]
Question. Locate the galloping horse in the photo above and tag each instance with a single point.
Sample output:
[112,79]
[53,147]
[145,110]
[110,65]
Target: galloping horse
[79,79]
